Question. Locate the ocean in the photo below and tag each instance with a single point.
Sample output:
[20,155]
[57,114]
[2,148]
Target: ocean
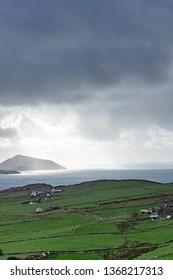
[70,177]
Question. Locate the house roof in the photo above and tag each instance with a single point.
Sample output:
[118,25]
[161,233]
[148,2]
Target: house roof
[154,216]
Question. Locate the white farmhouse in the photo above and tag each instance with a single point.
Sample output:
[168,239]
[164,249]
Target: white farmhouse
[39,210]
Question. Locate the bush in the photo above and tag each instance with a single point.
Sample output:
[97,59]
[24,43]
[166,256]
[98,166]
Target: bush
[13,258]
[123,226]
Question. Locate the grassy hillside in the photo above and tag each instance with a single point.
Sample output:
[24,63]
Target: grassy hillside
[93,220]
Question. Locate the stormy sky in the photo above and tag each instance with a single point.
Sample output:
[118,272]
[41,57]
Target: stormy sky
[87,83]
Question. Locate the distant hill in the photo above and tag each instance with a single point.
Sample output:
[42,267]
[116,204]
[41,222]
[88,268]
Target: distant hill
[20,163]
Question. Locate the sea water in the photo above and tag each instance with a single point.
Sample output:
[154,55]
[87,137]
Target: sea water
[70,177]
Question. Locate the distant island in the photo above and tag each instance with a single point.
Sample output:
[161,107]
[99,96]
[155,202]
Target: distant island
[20,163]
[9,172]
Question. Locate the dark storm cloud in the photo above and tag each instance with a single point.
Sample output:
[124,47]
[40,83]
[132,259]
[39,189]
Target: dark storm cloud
[66,51]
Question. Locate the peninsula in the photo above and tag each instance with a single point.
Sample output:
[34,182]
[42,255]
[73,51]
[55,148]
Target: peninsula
[9,172]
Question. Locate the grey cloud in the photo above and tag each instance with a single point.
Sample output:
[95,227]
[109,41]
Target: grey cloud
[65,51]
[137,110]
[108,60]
[7,132]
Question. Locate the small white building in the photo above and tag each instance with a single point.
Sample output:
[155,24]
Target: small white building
[39,210]
[168,205]
[154,217]
[33,193]
[168,217]
[56,190]
[48,196]
[36,193]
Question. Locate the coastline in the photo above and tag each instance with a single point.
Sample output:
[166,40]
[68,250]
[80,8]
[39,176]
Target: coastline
[71,177]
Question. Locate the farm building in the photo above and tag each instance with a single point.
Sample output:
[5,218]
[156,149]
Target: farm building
[35,193]
[168,217]
[56,190]
[145,211]
[168,205]
[154,217]
[48,196]
[39,210]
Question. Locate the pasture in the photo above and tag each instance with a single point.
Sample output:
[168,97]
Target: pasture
[92,220]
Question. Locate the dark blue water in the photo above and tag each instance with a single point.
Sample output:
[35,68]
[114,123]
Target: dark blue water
[68,177]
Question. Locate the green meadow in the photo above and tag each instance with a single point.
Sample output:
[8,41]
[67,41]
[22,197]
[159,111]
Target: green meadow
[92,220]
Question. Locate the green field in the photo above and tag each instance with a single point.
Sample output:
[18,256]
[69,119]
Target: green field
[92,220]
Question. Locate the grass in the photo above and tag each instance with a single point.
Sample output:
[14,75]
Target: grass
[87,221]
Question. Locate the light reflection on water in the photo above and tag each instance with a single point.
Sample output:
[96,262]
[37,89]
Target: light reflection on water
[68,177]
